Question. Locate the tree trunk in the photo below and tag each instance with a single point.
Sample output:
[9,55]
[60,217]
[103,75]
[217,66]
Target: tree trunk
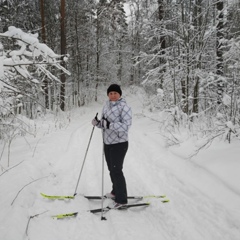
[161,13]
[219,72]
[63,52]
[120,63]
[98,58]
[198,21]
[162,41]
[44,41]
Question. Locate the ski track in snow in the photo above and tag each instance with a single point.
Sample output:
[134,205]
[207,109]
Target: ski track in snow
[178,221]
[190,214]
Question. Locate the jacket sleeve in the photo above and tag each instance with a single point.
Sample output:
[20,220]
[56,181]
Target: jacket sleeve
[125,120]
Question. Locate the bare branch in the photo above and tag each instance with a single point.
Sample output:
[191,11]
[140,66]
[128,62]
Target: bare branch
[11,168]
[26,186]
[31,217]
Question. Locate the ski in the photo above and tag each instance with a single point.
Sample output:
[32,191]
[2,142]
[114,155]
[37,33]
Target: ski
[98,210]
[65,215]
[59,197]
[130,197]
[126,206]
[53,197]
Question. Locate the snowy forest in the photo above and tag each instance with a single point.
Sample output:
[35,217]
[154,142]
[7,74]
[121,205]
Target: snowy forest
[55,55]
[178,64]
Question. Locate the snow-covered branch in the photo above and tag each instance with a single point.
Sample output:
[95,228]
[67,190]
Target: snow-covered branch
[30,52]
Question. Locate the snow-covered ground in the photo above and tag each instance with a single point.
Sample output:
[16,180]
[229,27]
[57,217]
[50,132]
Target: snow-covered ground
[204,191]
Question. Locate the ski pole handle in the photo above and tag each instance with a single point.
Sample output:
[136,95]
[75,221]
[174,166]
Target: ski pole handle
[97,117]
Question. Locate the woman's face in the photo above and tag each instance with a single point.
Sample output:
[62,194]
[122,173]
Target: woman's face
[113,96]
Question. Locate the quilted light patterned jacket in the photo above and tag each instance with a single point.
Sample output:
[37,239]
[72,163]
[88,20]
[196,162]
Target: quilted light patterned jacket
[119,114]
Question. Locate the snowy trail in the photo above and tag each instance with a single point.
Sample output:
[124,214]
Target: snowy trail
[179,220]
[150,168]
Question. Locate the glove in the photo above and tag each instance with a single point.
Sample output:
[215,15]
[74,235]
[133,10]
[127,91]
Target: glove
[105,123]
[95,121]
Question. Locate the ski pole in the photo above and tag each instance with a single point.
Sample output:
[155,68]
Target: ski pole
[102,217]
[75,192]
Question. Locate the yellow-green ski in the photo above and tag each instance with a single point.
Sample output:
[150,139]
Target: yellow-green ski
[162,197]
[99,210]
[57,197]
[65,215]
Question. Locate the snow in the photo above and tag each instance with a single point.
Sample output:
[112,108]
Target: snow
[204,191]
[28,47]
[31,39]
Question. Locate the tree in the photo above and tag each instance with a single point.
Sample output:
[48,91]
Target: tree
[219,49]
[22,14]
[162,40]
[136,26]
[111,31]
[50,33]
[46,88]
[198,25]
[63,53]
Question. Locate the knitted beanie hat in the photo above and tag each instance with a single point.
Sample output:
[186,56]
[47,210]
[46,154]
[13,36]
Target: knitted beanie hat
[114,88]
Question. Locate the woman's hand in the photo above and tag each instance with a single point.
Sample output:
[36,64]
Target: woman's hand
[105,123]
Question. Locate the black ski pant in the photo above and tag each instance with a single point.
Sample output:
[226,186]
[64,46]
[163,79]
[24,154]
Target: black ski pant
[114,154]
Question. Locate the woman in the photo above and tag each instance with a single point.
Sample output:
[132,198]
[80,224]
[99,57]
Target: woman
[115,121]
